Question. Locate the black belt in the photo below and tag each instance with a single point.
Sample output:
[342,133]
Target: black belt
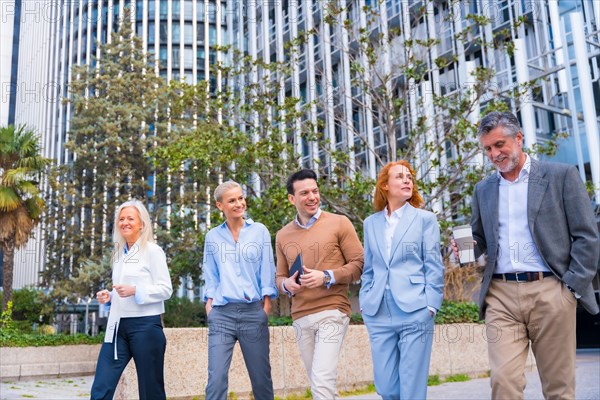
[523,276]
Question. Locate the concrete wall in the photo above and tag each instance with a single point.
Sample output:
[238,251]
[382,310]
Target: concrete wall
[457,349]
[48,361]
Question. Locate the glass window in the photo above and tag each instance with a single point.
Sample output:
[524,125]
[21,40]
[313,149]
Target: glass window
[200,11]
[200,59]
[200,33]
[188,10]
[164,9]
[212,12]
[162,56]
[151,8]
[212,35]
[175,60]
[151,28]
[176,34]
[139,8]
[188,58]
[176,9]
[188,34]
[163,32]
[223,13]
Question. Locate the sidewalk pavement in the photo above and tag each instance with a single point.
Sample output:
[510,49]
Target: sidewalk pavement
[587,378]
[588,385]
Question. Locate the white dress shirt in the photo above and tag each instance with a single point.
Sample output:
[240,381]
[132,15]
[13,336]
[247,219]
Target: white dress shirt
[517,251]
[391,223]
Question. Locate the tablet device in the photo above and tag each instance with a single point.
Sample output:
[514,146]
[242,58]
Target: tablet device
[297,266]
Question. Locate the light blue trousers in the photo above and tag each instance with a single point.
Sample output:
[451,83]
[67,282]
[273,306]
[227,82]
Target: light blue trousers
[401,349]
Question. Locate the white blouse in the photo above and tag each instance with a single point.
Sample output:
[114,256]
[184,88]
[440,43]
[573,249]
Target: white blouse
[144,267]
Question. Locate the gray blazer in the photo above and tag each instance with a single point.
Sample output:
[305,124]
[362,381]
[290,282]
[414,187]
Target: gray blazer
[562,225]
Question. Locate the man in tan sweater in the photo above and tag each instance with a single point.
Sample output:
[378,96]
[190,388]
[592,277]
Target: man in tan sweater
[333,258]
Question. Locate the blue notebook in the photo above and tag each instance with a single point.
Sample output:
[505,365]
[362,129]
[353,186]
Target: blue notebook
[297,266]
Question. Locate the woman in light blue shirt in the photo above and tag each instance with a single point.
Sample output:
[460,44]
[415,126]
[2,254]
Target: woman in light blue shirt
[239,278]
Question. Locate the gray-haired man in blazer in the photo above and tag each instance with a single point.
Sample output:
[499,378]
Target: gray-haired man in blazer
[535,222]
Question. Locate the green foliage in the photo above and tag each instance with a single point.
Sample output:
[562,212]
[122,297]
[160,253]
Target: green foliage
[282,320]
[21,204]
[6,321]
[434,380]
[18,339]
[356,319]
[457,378]
[453,312]
[31,306]
[182,312]
[118,113]
[85,282]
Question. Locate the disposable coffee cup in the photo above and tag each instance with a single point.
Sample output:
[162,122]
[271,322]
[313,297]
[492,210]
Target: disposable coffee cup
[463,237]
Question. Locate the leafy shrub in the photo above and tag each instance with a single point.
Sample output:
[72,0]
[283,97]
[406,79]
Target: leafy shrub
[182,312]
[455,312]
[11,337]
[31,305]
[280,321]
[18,339]
[356,319]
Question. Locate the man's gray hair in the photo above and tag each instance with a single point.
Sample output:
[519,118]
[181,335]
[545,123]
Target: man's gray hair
[223,187]
[493,120]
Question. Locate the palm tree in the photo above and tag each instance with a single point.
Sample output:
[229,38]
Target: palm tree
[20,203]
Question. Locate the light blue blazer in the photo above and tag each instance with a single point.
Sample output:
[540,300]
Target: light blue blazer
[414,272]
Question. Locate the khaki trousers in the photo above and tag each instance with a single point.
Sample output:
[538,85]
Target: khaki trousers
[320,336]
[541,313]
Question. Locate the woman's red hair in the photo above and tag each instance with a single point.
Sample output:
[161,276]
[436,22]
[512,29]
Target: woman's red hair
[380,200]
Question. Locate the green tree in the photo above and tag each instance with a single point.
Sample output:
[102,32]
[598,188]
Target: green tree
[119,105]
[21,206]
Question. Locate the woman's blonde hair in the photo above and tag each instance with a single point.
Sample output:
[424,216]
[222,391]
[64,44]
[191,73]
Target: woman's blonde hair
[223,187]
[380,200]
[146,235]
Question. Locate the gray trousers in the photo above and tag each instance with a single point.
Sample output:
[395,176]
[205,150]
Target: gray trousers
[248,324]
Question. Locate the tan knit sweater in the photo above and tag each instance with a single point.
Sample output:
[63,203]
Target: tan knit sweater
[330,244]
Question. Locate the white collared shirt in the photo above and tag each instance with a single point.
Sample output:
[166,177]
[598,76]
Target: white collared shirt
[517,251]
[391,223]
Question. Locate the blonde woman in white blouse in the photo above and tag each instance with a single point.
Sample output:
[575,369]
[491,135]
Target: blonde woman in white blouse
[141,284]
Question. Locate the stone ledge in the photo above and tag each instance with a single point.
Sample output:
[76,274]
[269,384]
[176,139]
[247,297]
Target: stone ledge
[457,349]
[10,371]
[34,370]
[77,368]
[48,361]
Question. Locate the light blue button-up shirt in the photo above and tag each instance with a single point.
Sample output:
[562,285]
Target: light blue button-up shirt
[242,271]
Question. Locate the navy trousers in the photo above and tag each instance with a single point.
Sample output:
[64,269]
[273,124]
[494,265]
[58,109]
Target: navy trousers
[143,339]
[248,324]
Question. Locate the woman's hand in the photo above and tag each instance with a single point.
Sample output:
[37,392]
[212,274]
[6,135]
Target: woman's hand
[208,306]
[124,290]
[103,296]
[267,305]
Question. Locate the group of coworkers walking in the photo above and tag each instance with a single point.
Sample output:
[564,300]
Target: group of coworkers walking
[533,219]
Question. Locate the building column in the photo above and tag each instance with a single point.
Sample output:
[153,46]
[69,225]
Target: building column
[587,95]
